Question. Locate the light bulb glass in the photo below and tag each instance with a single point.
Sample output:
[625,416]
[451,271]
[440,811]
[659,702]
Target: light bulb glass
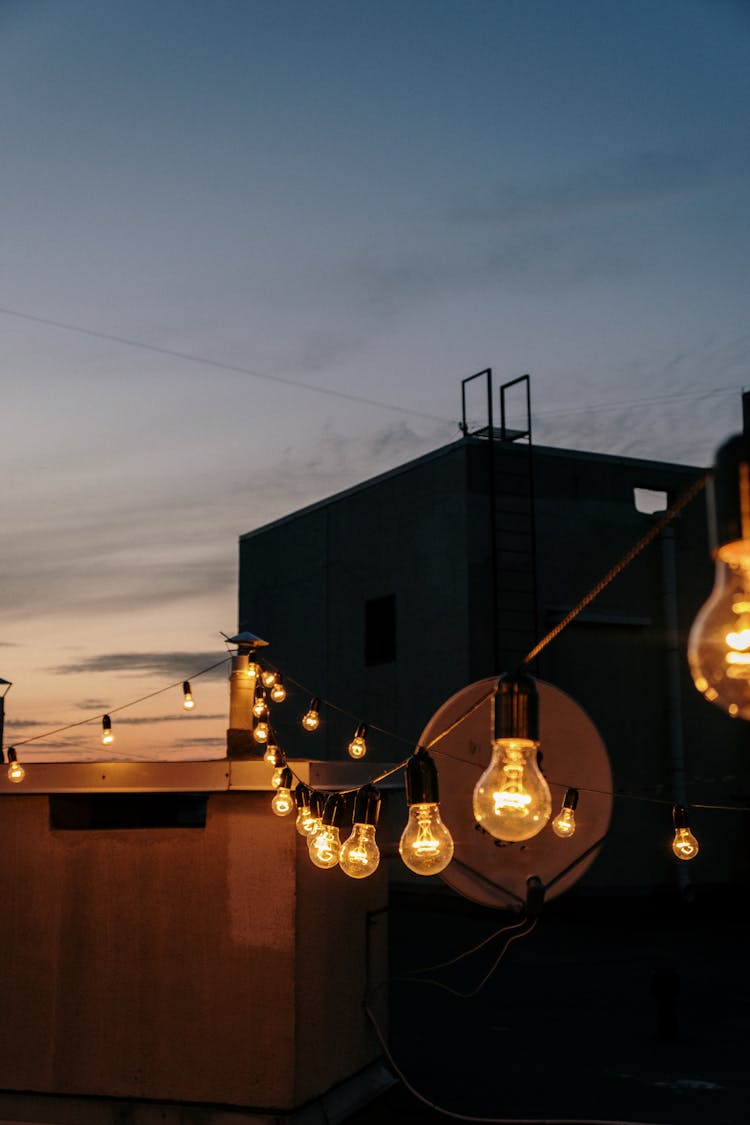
[311,720]
[306,822]
[325,846]
[253,670]
[426,845]
[283,801]
[564,824]
[188,702]
[314,825]
[261,731]
[719,641]
[357,747]
[269,678]
[685,845]
[512,800]
[278,692]
[259,707]
[16,772]
[276,776]
[360,855]
[271,754]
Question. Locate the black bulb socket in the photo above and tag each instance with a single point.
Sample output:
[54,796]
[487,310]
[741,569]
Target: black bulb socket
[516,707]
[317,803]
[367,806]
[334,812]
[302,795]
[287,778]
[680,817]
[421,780]
[570,801]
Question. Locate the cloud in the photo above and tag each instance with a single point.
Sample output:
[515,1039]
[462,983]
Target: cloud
[172,665]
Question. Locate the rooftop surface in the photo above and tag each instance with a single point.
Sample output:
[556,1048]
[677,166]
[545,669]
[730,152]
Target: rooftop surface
[610,1010]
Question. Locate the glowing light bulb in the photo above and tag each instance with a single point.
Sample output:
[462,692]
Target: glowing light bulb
[311,718]
[277,776]
[283,801]
[261,731]
[511,799]
[278,691]
[107,736]
[253,670]
[719,640]
[358,746]
[16,772]
[564,824]
[268,677]
[315,823]
[272,755]
[260,709]
[305,818]
[360,855]
[325,845]
[426,845]
[188,702]
[684,845]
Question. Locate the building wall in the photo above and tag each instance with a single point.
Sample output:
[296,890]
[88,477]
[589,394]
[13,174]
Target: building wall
[424,532]
[189,965]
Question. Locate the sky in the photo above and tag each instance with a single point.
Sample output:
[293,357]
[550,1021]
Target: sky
[248,252]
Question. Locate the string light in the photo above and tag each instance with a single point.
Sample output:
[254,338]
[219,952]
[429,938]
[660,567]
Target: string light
[283,801]
[306,821]
[260,708]
[188,702]
[325,845]
[685,846]
[360,855]
[278,691]
[268,677]
[358,746]
[273,755]
[317,804]
[564,824]
[426,845]
[719,640]
[261,730]
[107,736]
[311,718]
[278,774]
[16,772]
[511,799]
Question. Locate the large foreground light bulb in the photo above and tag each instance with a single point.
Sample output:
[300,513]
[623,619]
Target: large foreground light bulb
[325,845]
[360,855]
[684,845]
[719,641]
[512,800]
[426,845]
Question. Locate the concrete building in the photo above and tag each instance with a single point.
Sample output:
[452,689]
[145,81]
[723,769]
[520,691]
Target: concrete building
[389,597]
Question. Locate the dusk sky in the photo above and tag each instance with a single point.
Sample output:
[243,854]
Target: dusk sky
[249,250]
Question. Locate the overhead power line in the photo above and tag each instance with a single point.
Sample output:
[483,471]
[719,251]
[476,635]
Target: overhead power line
[206,361]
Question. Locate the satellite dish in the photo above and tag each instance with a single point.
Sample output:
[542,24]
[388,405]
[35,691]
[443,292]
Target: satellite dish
[486,870]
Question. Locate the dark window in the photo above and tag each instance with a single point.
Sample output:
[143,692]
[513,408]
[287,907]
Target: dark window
[380,630]
[126,810]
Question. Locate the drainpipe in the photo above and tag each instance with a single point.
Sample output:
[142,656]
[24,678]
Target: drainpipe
[675,659]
